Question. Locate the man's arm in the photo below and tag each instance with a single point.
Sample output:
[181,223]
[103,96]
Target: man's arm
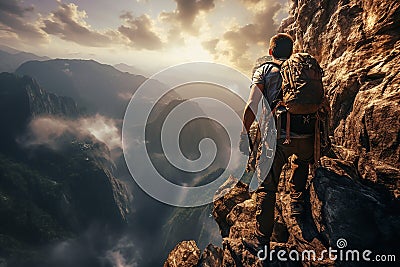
[256,94]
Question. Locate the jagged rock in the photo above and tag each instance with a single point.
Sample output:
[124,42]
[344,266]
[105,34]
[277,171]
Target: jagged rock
[211,256]
[343,207]
[21,98]
[340,206]
[242,219]
[237,255]
[18,91]
[351,197]
[242,225]
[232,192]
[303,233]
[185,254]
[357,44]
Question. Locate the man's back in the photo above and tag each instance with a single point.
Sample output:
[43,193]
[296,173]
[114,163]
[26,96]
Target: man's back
[269,75]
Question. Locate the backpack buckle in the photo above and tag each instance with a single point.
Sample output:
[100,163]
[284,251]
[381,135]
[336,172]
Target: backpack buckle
[306,119]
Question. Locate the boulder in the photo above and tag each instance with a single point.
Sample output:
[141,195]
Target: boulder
[185,254]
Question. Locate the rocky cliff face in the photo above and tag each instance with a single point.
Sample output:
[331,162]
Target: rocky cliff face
[21,100]
[353,196]
[357,44]
[341,206]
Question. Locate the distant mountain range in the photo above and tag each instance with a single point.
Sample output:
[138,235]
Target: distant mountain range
[97,87]
[11,59]
[71,188]
[130,69]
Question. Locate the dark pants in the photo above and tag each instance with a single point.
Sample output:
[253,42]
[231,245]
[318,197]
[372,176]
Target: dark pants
[303,151]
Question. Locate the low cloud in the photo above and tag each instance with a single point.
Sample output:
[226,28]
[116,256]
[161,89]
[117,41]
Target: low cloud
[124,254]
[14,22]
[69,24]
[104,129]
[52,131]
[139,31]
[93,247]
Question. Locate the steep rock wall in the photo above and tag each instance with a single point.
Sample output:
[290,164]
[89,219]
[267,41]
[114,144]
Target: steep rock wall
[357,44]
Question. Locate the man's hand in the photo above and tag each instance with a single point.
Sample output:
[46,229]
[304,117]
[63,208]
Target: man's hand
[244,146]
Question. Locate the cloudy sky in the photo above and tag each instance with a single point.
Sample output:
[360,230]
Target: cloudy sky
[147,34]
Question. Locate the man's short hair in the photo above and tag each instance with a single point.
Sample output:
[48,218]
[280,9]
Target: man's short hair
[281,45]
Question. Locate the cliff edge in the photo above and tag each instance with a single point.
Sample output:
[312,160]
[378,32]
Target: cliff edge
[353,197]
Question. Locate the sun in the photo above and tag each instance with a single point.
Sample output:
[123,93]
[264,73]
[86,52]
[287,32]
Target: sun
[192,51]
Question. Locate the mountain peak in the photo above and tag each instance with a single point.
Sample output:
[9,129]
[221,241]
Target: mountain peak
[95,86]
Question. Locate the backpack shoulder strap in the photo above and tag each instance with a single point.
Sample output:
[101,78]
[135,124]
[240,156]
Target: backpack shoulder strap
[272,63]
[279,96]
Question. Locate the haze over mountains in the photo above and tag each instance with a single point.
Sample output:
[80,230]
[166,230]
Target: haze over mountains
[98,87]
[11,59]
[130,69]
[56,177]
[63,174]
[94,86]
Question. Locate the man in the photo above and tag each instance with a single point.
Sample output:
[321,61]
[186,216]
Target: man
[267,82]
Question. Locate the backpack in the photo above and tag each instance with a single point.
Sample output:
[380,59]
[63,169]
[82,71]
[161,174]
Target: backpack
[302,88]
[301,93]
